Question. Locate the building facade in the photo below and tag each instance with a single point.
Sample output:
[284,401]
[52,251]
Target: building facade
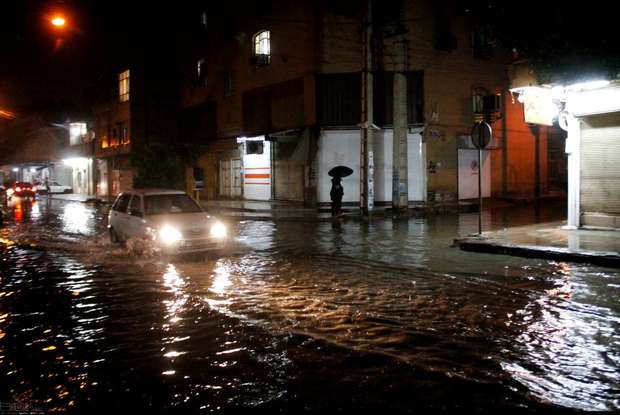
[37,151]
[592,119]
[272,98]
[140,112]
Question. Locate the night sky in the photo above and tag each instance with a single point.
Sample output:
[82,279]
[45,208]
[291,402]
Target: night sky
[43,68]
[62,73]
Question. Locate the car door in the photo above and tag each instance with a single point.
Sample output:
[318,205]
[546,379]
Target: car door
[119,215]
[135,217]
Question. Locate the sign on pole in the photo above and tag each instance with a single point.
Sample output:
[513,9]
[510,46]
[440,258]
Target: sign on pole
[481,135]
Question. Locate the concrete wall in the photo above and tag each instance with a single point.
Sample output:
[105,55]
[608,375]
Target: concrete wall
[520,147]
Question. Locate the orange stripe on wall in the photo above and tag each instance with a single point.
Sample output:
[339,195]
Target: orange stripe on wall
[257,176]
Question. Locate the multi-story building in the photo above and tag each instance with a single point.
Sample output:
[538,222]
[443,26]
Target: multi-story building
[139,111]
[272,96]
[38,151]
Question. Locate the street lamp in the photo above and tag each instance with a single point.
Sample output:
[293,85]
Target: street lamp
[58,21]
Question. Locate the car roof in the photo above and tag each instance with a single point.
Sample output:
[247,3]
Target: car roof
[151,192]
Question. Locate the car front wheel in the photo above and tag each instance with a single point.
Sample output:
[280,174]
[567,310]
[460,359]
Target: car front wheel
[114,237]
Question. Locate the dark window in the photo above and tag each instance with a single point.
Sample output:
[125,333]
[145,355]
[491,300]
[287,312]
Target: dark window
[167,204]
[482,43]
[277,107]
[254,147]
[228,84]
[125,135]
[339,99]
[136,206]
[121,203]
[445,40]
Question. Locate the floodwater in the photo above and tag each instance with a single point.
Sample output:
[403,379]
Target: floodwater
[301,317]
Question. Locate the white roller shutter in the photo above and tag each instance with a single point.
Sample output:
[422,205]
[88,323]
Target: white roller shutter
[600,170]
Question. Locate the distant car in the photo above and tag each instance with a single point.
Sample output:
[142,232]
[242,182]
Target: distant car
[22,190]
[170,219]
[55,187]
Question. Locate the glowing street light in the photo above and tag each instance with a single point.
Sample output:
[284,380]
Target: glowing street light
[58,21]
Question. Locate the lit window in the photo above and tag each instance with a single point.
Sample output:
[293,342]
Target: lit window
[77,133]
[123,86]
[104,142]
[262,47]
[201,72]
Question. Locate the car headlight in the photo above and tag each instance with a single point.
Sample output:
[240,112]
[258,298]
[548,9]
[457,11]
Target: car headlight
[169,235]
[218,230]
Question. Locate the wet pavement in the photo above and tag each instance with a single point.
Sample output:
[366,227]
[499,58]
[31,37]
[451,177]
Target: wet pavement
[304,317]
[551,240]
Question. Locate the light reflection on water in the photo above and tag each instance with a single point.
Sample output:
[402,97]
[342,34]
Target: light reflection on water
[221,280]
[216,331]
[565,346]
[76,218]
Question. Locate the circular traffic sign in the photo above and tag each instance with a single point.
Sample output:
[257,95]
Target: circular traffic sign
[481,134]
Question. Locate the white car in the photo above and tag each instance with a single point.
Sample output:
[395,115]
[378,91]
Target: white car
[55,187]
[170,219]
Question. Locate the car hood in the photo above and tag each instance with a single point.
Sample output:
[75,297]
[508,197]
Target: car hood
[181,221]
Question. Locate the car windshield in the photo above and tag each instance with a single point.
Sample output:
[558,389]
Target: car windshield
[23,184]
[166,204]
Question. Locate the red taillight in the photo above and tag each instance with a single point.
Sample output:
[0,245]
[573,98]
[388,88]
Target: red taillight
[18,189]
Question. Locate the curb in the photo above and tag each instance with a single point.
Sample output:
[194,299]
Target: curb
[606,259]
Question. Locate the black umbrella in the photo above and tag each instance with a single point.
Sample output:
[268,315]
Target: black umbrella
[340,171]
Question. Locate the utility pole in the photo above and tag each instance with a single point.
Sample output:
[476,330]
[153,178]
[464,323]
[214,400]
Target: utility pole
[367,191]
[400,162]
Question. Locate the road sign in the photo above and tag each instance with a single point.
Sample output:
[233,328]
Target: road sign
[481,135]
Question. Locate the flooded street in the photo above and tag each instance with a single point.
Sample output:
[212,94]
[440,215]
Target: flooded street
[301,316]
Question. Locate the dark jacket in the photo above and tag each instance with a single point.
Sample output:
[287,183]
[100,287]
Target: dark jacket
[337,190]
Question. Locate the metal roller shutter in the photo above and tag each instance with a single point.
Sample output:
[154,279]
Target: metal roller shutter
[600,170]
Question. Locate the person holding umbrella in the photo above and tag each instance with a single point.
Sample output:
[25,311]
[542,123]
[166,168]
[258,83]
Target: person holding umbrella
[337,191]
[336,194]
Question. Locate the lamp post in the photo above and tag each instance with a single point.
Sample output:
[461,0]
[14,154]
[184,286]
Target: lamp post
[59,24]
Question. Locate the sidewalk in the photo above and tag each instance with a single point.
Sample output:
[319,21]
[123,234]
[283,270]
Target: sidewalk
[268,210]
[549,241]
[287,210]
